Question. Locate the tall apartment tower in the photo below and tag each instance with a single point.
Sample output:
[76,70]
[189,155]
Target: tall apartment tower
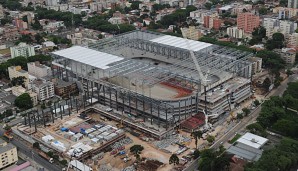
[247,22]
[292,4]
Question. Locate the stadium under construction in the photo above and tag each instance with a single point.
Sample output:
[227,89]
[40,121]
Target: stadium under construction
[151,76]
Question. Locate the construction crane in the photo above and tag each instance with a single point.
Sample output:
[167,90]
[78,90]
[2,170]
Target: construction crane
[203,78]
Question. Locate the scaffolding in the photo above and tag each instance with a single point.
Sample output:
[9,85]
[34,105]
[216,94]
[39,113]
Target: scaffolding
[175,69]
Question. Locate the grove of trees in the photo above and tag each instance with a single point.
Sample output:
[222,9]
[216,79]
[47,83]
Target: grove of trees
[24,101]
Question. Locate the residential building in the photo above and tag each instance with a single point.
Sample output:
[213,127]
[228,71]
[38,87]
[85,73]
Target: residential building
[287,54]
[249,147]
[43,89]
[64,89]
[116,20]
[293,41]
[241,8]
[19,90]
[200,14]
[8,153]
[292,4]
[192,33]
[247,22]
[161,13]
[274,25]
[285,13]
[10,33]
[235,32]
[256,64]
[20,24]
[38,70]
[16,71]
[211,21]
[22,50]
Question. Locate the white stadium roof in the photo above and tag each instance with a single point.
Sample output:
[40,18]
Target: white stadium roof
[181,43]
[252,140]
[88,56]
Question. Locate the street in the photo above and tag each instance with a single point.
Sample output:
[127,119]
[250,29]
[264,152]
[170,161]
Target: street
[245,121]
[32,154]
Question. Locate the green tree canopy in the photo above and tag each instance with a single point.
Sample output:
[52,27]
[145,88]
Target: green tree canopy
[24,101]
[174,159]
[136,150]
[197,135]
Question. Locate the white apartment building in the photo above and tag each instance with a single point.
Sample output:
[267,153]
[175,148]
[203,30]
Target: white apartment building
[22,50]
[38,70]
[273,25]
[235,32]
[192,33]
[43,89]
[19,90]
[16,71]
[8,153]
[292,4]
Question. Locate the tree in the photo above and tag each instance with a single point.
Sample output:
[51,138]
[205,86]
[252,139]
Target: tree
[263,11]
[174,159]
[208,5]
[197,135]
[4,21]
[266,84]
[6,114]
[257,129]
[239,116]
[136,150]
[64,162]
[36,25]
[277,41]
[24,101]
[211,161]
[7,128]
[18,81]
[258,34]
[196,154]
[36,145]
[43,106]
[246,111]
[256,103]
[210,138]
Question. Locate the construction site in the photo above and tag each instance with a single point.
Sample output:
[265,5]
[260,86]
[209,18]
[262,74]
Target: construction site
[160,79]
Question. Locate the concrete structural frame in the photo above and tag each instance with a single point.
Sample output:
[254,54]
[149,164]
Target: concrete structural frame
[125,72]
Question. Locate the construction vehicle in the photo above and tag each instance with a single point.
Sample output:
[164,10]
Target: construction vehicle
[45,156]
[126,159]
[8,135]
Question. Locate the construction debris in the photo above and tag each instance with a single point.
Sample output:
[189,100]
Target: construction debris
[119,144]
[129,168]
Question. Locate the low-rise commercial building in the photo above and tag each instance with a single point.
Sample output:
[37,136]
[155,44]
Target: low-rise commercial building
[249,147]
[8,153]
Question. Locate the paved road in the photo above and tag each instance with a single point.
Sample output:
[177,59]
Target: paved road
[32,154]
[247,120]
